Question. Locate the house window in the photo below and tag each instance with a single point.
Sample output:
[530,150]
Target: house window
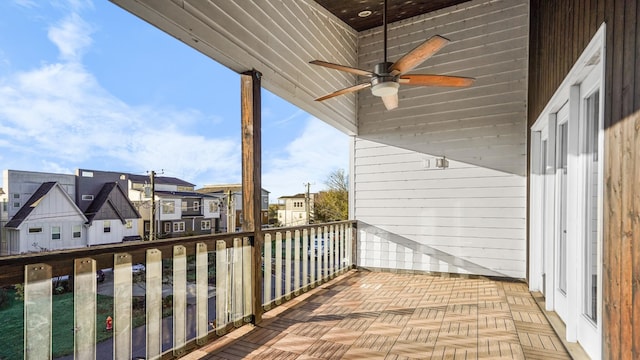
[196,206]
[55,233]
[129,224]
[107,226]
[185,205]
[87,197]
[16,204]
[205,225]
[213,206]
[16,196]
[87,174]
[77,231]
[168,207]
[167,227]
[35,230]
[178,226]
[147,226]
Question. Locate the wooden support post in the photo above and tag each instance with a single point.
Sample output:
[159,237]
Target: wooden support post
[621,254]
[252,179]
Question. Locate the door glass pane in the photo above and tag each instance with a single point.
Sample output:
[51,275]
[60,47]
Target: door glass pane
[591,129]
[562,198]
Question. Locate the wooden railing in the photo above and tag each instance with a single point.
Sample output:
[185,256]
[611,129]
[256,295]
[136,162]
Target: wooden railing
[161,299]
[297,259]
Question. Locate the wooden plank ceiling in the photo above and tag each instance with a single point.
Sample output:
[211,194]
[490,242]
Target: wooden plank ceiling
[348,11]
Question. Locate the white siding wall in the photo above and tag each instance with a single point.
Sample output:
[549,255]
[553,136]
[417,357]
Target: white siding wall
[469,218]
[177,209]
[276,37]
[42,241]
[97,235]
[484,124]
[206,206]
[463,219]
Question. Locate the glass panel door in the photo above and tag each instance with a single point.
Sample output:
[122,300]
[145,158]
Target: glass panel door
[591,219]
[560,246]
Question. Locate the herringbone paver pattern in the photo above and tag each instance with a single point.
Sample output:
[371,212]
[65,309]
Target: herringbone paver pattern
[402,316]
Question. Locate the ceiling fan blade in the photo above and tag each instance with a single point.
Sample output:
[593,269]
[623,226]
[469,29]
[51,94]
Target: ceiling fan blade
[416,56]
[390,101]
[342,68]
[435,80]
[344,91]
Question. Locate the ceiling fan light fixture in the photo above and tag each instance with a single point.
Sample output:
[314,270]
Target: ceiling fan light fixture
[364,13]
[385,88]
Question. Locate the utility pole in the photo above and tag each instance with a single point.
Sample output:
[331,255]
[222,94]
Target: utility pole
[307,202]
[231,212]
[152,219]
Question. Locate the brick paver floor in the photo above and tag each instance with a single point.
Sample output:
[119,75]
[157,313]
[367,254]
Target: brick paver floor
[377,315]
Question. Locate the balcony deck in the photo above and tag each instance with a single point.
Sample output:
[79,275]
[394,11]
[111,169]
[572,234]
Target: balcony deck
[373,315]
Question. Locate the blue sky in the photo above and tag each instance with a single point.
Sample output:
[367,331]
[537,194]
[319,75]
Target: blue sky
[88,85]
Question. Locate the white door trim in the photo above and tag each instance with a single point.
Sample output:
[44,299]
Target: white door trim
[590,65]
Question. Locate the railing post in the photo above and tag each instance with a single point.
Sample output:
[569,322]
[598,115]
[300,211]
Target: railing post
[37,312]
[179,299]
[84,308]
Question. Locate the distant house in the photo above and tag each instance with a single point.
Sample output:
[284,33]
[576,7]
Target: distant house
[28,223]
[295,210]
[48,220]
[233,209]
[180,211]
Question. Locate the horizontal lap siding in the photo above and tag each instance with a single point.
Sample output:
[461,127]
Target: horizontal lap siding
[276,37]
[484,124]
[464,219]
[560,30]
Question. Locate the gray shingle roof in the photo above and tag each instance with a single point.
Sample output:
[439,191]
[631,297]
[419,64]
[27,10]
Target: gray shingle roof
[166,180]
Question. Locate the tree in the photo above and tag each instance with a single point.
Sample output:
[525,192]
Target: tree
[273,215]
[333,204]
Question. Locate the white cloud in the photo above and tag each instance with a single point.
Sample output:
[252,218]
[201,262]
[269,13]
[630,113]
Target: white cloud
[61,113]
[318,151]
[25,3]
[72,36]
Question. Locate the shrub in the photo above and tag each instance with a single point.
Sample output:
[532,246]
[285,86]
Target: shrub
[5,299]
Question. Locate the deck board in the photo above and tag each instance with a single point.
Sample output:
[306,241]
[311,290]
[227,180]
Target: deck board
[402,316]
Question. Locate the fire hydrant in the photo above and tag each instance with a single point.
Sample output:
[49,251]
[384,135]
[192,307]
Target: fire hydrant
[109,323]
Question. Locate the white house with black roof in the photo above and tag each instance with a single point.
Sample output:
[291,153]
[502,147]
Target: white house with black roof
[48,220]
[111,217]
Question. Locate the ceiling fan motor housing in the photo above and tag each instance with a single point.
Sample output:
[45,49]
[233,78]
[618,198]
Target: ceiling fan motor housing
[384,84]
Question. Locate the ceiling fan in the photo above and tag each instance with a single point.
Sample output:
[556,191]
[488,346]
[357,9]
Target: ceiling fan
[386,77]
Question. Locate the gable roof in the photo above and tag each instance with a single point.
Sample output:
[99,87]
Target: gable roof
[165,180]
[107,196]
[33,202]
